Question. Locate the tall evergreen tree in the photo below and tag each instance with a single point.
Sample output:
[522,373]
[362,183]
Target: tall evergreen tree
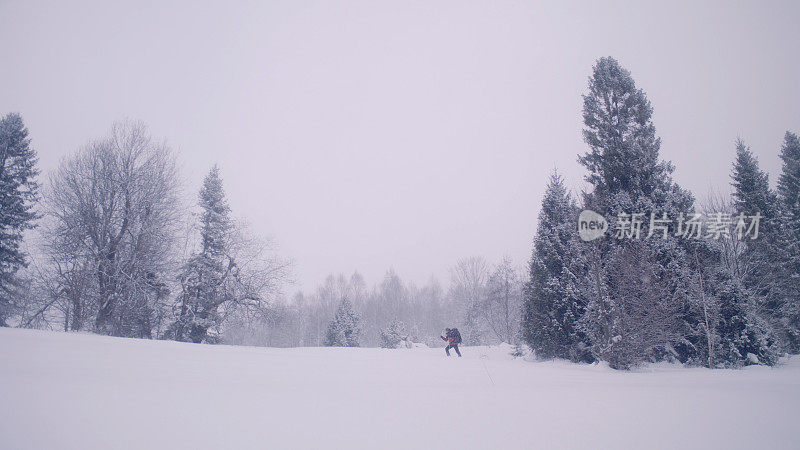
[744,308]
[789,193]
[205,277]
[628,177]
[18,194]
[623,158]
[553,303]
[344,329]
[752,195]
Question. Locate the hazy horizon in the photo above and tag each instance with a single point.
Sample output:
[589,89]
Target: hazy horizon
[397,135]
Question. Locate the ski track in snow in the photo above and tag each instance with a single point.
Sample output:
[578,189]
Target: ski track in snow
[81,391]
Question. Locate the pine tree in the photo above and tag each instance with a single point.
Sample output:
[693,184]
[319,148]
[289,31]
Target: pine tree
[753,195]
[18,194]
[751,188]
[553,303]
[628,177]
[344,330]
[216,224]
[789,193]
[623,158]
[789,181]
[754,295]
[204,278]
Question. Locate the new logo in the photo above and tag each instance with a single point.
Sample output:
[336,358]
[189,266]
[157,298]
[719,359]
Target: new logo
[591,225]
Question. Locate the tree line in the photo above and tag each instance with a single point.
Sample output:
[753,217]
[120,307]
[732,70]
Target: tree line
[717,301]
[483,299]
[117,250]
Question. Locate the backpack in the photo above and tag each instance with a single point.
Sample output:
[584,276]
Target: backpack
[454,332]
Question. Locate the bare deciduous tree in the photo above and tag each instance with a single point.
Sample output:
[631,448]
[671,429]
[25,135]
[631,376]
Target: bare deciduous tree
[503,304]
[112,211]
[468,292]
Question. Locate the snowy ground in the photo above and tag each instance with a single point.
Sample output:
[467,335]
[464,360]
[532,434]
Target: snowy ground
[62,390]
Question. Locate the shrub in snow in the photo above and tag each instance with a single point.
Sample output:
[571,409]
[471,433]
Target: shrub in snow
[395,336]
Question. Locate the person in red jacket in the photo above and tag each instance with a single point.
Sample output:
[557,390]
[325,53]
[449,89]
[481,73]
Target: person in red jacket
[453,338]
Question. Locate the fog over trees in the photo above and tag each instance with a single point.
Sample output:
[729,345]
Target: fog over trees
[122,249]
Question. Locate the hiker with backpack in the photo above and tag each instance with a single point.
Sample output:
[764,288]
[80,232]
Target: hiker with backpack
[453,338]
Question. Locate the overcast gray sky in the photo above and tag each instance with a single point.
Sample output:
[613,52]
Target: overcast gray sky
[364,135]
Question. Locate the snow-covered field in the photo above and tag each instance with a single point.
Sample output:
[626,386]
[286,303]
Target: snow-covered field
[61,390]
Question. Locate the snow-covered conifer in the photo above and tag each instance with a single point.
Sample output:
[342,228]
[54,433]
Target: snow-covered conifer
[18,194]
[627,177]
[757,293]
[789,192]
[344,330]
[204,275]
[553,301]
